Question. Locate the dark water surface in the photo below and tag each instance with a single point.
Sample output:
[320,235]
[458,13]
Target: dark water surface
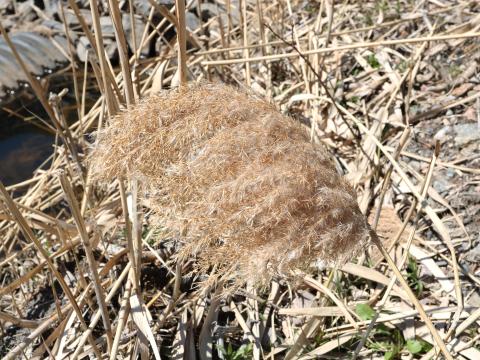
[23,145]
[21,153]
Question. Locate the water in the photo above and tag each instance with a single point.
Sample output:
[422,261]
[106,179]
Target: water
[23,146]
[22,153]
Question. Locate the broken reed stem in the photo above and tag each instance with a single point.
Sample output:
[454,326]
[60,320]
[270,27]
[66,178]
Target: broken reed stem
[181,40]
[418,306]
[205,340]
[122,318]
[229,25]
[91,40]
[28,324]
[30,236]
[111,105]
[243,13]
[426,184]
[122,51]
[311,326]
[58,303]
[140,316]
[115,287]
[64,130]
[428,210]
[73,63]
[261,27]
[136,228]
[99,292]
[326,291]
[178,280]
[128,234]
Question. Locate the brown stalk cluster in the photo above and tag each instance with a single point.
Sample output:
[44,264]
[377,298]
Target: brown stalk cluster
[240,184]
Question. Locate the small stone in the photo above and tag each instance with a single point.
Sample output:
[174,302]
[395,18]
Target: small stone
[474,300]
[461,134]
[441,185]
[473,255]
[192,21]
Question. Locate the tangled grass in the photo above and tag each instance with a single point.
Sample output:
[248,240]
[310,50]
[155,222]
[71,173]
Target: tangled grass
[374,80]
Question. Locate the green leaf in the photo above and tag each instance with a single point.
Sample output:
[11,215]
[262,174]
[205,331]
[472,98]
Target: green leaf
[414,346]
[373,61]
[389,355]
[222,349]
[244,352]
[381,329]
[365,311]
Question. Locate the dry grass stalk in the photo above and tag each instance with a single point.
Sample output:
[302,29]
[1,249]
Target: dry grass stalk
[181,41]
[467,35]
[122,51]
[28,233]
[240,184]
[111,104]
[99,291]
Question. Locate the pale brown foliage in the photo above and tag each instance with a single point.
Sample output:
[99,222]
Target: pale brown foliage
[240,184]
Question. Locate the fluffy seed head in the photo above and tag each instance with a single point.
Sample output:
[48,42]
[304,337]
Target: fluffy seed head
[236,181]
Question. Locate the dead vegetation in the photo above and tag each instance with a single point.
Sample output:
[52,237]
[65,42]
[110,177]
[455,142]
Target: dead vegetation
[87,271]
[241,185]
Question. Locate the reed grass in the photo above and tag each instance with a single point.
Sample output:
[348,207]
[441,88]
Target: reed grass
[237,182]
[184,192]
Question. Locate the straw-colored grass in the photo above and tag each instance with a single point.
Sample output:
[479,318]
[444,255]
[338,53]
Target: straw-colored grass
[90,266]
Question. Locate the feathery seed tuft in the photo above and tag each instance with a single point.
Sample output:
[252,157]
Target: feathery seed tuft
[240,184]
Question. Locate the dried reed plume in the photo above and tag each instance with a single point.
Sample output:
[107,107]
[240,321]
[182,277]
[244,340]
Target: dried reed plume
[237,182]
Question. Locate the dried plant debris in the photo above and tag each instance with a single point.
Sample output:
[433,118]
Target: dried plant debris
[402,74]
[238,182]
